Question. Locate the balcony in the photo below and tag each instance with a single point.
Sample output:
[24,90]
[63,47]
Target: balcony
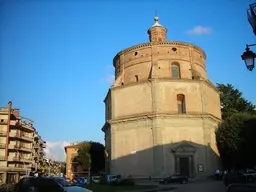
[2,145]
[20,166]
[23,148]
[41,159]
[3,111]
[20,124]
[21,135]
[20,159]
[42,145]
[20,147]
[36,157]
[42,153]
[2,158]
[2,133]
[3,121]
[35,146]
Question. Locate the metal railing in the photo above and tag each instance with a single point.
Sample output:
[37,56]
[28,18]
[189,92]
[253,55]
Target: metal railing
[21,135]
[22,124]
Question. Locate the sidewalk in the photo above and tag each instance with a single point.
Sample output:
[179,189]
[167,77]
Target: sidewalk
[159,188]
[164,187]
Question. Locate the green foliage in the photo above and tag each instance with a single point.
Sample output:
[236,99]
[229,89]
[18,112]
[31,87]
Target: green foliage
[84,156]
[91,156]
[36,139]
[98,157]
[235,140]
[233,102]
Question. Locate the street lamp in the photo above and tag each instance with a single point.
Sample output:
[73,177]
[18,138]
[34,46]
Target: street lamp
[249,57]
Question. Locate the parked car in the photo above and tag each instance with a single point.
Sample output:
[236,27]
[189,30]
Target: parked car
[96,179]
[233,177]
[63,178]
[241,188]
[250,175]
[46,184]
[112,179]
[240,176]
[177,178]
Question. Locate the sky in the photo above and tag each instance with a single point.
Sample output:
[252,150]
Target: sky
[56,56]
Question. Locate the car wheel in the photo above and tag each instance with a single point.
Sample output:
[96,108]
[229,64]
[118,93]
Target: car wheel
[165,183]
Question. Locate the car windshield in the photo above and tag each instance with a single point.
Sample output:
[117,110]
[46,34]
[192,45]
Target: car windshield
[62,181]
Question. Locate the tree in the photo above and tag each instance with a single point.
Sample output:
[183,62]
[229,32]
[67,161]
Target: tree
[235,138]
[91,156]
[232,101]
[83,155]
[98,157]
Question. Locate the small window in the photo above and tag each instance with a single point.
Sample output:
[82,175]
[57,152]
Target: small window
[175,70]
[136,78]
[181,104]
[136,53]
[2,120]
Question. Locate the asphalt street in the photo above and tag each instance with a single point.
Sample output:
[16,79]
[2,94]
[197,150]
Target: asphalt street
[200,186]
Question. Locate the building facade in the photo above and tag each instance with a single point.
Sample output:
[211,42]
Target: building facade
[16,145]
[38,153]
[162,110]
[73,168]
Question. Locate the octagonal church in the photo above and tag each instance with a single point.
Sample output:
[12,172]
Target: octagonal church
[162,110]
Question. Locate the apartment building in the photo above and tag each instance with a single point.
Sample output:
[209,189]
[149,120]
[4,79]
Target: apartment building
[73,169]
[38,153]
[17,138]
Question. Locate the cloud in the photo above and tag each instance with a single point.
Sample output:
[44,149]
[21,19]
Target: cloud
[110,78]
[199,30]
[55,150]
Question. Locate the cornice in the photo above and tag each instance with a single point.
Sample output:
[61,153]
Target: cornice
[151,116]
[144,45]
[207,82]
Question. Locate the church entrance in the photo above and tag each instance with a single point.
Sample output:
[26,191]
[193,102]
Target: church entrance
[184,166]
[184,159]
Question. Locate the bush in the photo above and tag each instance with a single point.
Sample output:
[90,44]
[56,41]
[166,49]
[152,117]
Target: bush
[235,138]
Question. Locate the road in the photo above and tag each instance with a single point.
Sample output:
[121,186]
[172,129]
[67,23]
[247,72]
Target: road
[201,186]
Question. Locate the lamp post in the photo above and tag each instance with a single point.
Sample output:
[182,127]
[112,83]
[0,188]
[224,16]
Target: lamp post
[249,57]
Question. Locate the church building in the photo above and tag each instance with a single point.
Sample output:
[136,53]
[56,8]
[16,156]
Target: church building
[162,110]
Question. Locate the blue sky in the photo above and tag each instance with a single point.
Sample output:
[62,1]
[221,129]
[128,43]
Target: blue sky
[56,56]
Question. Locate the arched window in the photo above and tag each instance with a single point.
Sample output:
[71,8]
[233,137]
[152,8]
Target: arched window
[175,69]
[181,104]
[136,78]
